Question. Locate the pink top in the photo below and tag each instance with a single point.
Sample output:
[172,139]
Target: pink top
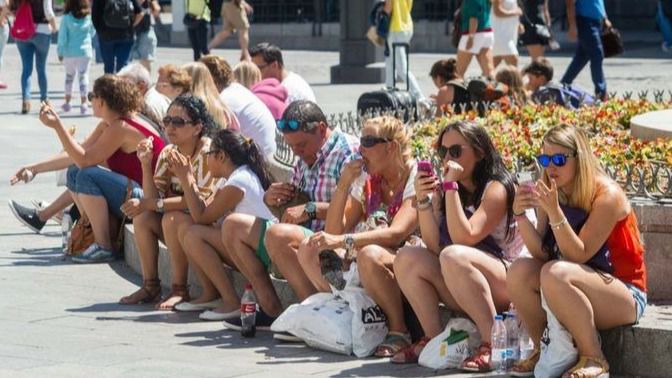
[272,93]
[128,164]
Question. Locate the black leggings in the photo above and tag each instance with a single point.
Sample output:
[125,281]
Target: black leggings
[198,37]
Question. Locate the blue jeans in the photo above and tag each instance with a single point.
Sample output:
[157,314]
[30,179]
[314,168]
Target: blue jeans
[588,48]
[37,47]
[96,46]
[665,26]
[115,54]
[101,182]
[4,35]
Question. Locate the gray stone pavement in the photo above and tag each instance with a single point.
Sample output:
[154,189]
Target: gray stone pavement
[62,320]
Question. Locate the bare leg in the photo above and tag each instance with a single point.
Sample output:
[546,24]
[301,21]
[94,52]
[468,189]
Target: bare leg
[496,60]
[147,227]
[309,258]
[511,60]
[282,242]
[179,265]
[95,208]
[522,282]
[485,61]
[375,271]
[477,281]
[219,38]
[207,251]
[244,41]
[463,60]
[536,51]
[240,233]
[59,204]
[584,301]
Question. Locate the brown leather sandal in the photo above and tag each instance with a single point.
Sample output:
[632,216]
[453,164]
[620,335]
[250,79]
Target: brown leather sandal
[525,368]
[176,290]
[479,362]
[410,354]
[149,292]
[587,368]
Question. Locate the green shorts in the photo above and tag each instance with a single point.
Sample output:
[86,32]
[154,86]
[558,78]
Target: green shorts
[262,252]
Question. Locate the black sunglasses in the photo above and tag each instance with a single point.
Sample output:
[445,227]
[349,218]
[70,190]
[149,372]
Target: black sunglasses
[91,96]
[178,122]
[369,141]
[559,160]
[211,151]
[455,151]
[292,125]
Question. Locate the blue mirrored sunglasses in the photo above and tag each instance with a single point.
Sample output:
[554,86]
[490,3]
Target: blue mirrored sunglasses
[559,160]
[294,125]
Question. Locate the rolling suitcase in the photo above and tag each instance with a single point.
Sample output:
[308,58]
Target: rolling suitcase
[396,99]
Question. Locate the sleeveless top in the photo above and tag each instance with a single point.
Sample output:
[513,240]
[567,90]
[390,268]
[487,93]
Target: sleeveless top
[128,164]
[621,256]
[534,11]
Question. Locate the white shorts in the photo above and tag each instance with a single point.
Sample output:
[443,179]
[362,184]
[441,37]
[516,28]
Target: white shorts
[482,40]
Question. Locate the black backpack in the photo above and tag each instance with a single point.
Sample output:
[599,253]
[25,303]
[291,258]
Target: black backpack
[118,14]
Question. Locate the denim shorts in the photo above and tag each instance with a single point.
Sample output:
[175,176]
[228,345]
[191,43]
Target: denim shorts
[144,47]
[640,300]
[100,181]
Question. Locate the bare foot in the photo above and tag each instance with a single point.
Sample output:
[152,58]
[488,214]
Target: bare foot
[169,302]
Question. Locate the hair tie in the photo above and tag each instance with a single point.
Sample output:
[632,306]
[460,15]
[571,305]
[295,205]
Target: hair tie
[249,141]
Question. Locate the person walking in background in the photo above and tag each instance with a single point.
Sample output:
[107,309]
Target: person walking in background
[36,48]
[505,24]
[477,37]
[268,59]
[586,19]
[401,31]
[4,33]
[75,49]
[234,16]
[535,12]
[664,17]
[145,43]
[196,21]
[114,21]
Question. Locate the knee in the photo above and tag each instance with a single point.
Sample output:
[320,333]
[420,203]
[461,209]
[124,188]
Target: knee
[523,273]
[404,261]
[369,258]
[306,254]
[142,221]
[277,235]
[556,273]
[170,221]
[232,227]
[454,257]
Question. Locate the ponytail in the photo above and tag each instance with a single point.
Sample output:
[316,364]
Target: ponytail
[257,163]
[243,151]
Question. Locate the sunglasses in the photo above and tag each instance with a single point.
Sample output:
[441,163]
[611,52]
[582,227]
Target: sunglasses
[455,151]
[178,122]
[559,160]
[91,96]
[292,125]
[212,151]
[369,141]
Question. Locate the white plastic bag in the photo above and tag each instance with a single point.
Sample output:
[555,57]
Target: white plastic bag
[452,346]
[558,352]
[368,326]
[322,321]
[61,177]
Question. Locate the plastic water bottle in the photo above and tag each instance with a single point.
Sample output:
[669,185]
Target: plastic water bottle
[499,342]
[525,343]
[66,226]
[248,312]
[512,347]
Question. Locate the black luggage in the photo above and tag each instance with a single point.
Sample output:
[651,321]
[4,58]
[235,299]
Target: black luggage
[391,99]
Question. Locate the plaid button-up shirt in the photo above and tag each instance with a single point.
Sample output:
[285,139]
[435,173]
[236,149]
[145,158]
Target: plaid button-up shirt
[319,180]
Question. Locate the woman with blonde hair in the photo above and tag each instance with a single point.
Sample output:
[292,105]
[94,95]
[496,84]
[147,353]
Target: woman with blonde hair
[270,91]
[511,77]
[587,253]
[373,213]
[173,81]
[247,73]
[203,86]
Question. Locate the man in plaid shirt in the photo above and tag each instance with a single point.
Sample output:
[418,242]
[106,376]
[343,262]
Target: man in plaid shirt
[254,243]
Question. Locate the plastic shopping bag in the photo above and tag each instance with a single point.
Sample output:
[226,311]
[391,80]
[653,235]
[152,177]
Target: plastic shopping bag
[368,325]
[452,346]
[558,352]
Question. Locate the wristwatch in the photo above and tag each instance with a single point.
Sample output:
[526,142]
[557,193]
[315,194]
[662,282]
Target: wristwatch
[311,210]
[349,242]
[159,205]
[449,185]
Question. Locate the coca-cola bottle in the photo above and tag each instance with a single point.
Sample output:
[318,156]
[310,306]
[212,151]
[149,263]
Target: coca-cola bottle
[248,312]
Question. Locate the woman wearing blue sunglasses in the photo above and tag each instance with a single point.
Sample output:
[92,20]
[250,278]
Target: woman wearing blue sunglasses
[587,252]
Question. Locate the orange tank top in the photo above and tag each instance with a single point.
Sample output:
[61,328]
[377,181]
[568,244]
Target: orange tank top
[626,252]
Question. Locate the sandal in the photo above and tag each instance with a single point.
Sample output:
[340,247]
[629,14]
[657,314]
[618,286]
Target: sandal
[587,367]
[181,291]
[410,354]
[525,368]
[393,343]
[479,362]
[148,293]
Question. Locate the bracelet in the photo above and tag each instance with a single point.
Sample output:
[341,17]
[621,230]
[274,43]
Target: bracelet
[424,205]
[518,215]
[449,185]
[556,226]
[424,201]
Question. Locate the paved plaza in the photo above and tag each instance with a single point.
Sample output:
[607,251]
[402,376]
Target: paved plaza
[61,320]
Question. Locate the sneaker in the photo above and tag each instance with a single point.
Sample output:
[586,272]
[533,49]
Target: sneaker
[27,216]
[262,321]
[331,267]
[41,205]
[66,107]
[84,109]
[664,47]
[94,254]
[287,337]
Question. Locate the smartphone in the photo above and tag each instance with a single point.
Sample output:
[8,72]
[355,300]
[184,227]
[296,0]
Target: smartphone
[526,178]
[426,166]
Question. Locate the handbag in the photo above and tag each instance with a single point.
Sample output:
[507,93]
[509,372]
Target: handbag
[81,235]
[23,28]
[612,44]
[541,31]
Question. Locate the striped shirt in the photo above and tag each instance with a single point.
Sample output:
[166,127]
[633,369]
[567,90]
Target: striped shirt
[319,180]
[168,184]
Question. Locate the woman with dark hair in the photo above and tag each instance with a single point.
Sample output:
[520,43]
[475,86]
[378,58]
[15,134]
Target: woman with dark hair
[452,90]
[535,15]
[241,163]
[114,24]
[160,214]
[477,37]
[36,48]
[98,190]
[470,237]
[511,77]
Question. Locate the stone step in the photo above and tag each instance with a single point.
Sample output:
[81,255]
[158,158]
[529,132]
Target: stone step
[642,350]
